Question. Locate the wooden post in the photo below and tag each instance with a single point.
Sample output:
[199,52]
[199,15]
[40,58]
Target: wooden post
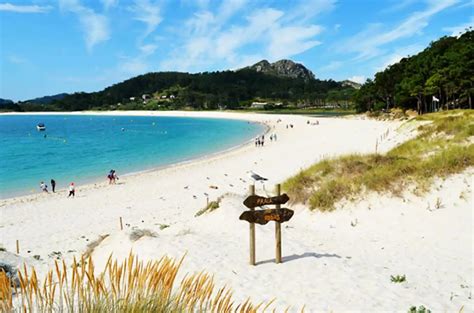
[252,231]
[376,145]
[121,224]
[17,247]
[278,231]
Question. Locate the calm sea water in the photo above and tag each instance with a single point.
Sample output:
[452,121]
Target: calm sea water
[83,149]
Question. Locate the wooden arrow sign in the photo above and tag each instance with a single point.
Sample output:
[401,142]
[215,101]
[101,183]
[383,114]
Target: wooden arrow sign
[262,217]
[255,201]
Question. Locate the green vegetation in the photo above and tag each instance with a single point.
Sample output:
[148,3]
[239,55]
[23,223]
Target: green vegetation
[420,309]
[445,70]
[164,226]
[304,111]
[398,278]
[204,91]
[442,147]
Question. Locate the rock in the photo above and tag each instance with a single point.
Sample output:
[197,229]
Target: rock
[283,68]
[9,263]
[350,83]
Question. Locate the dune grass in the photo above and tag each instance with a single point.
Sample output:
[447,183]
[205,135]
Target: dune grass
[442,147]
[129,286]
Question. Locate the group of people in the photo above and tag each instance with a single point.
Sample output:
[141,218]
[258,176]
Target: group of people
[44,188]
[260,141]
[313,123]
[112,176]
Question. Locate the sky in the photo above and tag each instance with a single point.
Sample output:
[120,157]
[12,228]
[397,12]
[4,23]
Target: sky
[49,47]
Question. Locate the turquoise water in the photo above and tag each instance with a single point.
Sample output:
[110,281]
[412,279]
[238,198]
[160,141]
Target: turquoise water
[83,149]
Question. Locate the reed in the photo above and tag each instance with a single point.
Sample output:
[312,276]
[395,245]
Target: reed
[127,286]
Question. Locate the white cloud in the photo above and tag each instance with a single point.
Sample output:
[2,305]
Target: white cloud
[148,13]
[307,9]
[209,40]
[148,49]
[358,79]
[24,8]
[109,3]
[292,40]
[95,26]
[135,66]
[368,43]
[459,29]
[399,5]
[15,59]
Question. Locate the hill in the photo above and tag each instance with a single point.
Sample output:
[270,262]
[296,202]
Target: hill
[290,85]
[47,99]
[8,105]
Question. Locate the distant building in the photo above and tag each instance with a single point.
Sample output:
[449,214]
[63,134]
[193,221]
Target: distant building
[258,105]
[163,97]
[172,96]
[132,98]
[145,96]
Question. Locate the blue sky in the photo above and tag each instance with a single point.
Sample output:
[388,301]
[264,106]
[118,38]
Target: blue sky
[48,47]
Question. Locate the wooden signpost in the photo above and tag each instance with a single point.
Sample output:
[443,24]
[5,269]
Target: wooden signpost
[255,201]
[262,217]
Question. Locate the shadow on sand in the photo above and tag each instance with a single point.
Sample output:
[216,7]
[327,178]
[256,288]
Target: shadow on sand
[300,256]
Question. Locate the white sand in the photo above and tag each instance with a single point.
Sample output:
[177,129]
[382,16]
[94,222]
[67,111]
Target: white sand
[328,263]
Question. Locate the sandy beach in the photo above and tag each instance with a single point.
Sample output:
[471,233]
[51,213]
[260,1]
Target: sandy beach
[339,261]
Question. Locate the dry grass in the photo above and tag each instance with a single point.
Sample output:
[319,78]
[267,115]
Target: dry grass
[94,244]
[443,147]
[139,233]
[211,206]
[129,286]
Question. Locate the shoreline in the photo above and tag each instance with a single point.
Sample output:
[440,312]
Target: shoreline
[95,181]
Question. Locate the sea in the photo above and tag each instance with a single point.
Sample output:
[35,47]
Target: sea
[84,148]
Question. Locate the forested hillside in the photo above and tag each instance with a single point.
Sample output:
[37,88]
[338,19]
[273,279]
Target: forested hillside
[208,90]
[440,77]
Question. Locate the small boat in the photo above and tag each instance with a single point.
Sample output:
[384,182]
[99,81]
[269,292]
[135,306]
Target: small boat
[40,127]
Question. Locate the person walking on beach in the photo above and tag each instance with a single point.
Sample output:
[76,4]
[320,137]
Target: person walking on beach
[44,187]
[110,176]
[53,185]
[72,190]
